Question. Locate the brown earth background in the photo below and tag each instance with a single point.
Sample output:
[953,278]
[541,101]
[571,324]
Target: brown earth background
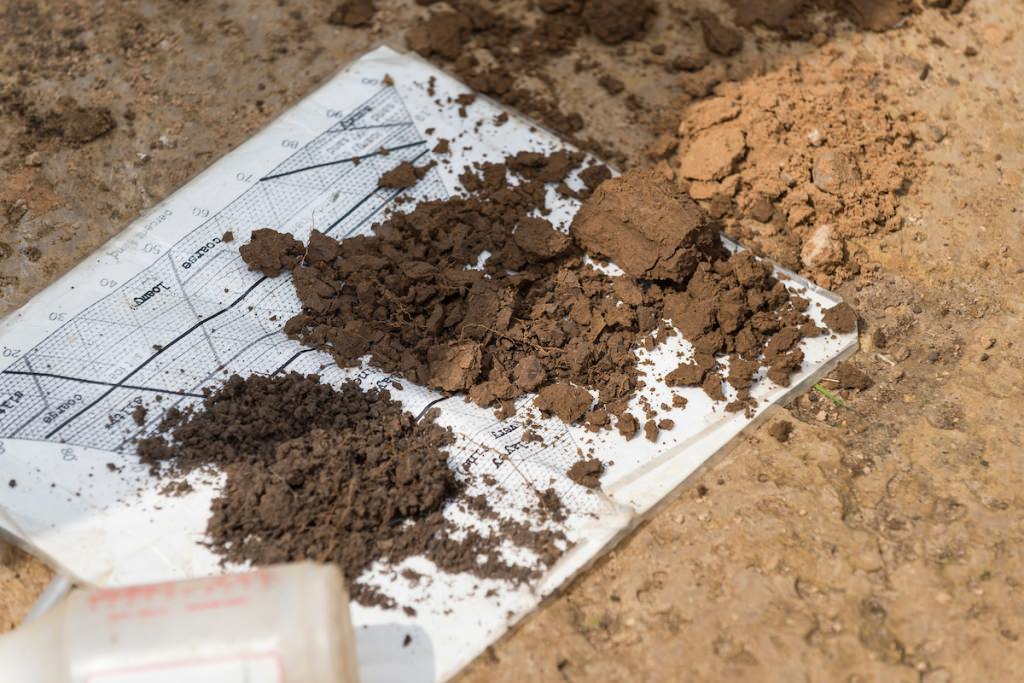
[883,541]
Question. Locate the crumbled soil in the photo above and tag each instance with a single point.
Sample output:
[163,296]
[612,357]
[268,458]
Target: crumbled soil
[404,175]
[796,18]
[797,162]
[535,316]
[586,472]
[491,50]
[333,475]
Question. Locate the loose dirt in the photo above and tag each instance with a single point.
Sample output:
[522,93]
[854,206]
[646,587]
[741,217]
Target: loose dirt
[535,316]
[797,162]
[334,475]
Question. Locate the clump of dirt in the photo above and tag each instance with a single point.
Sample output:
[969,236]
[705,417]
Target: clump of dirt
[798,163]
[568,402]
[781,430]
[352,13]
[269,252]
[404,175]
[849,376]
[587,472]
[72,122]
[613,21]
[333,475]
[841,318]
[660,234]
[718,37]
[535,316]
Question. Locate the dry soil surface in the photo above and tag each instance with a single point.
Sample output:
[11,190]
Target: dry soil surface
[882,541]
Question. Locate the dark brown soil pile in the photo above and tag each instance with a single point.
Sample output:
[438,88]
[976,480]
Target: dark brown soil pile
[338,475]
[536,317]
[532,316]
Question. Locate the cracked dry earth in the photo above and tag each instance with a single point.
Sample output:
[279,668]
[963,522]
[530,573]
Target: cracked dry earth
[882,541]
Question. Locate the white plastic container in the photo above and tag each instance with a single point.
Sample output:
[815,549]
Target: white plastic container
[285,624]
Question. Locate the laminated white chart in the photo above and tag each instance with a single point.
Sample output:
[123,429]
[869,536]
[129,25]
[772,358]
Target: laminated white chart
[168,309]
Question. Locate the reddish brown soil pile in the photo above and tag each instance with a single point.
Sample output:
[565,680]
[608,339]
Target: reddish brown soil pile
[535,317]
[797,164]
[337,475]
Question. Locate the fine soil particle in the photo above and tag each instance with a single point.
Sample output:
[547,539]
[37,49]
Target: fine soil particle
[352,13]
[332,475]
[841,318]
[645,226]
[586,473]
[781,430]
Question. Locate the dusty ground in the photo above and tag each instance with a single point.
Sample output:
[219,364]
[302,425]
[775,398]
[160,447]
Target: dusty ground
[883,542]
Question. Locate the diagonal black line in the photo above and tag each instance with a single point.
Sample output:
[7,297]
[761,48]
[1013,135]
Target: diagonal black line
[289,361]
[149,360]
[343,161]
[206,320]
[429,406]
[105,384]
[379,125]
